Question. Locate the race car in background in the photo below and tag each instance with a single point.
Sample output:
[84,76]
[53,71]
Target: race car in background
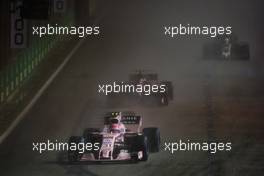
[121,139]
[147,78]
[226,47]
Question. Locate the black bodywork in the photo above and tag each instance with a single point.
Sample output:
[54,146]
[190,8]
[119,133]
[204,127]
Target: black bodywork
[155,98]
[215,49]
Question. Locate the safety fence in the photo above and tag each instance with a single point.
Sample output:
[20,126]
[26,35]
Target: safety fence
[15,74]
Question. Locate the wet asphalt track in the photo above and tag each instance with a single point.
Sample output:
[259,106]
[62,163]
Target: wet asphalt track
[220,101]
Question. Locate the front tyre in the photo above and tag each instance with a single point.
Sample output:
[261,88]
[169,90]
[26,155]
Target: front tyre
[74,155]
[142,142]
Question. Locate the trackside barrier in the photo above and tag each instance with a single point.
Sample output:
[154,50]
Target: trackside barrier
[15,74]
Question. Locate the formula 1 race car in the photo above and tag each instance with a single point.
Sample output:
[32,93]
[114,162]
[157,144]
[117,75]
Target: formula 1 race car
[120,140]
[140,80]
[226,47]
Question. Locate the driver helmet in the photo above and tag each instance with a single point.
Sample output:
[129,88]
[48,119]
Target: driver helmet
[142,80]
[227,40]
[115,123]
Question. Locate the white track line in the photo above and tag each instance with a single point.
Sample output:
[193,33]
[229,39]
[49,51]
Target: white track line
[39,93]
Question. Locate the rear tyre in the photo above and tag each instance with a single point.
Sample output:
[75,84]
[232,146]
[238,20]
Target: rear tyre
[88,132]
[90,136]
[153,136]
[241,52]
[163,100]
[169,89]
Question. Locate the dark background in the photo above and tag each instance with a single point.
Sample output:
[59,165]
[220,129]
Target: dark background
[213,100]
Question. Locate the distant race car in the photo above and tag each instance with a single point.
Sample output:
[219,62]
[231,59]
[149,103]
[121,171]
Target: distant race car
[121,139]
[226,47]
[146,78]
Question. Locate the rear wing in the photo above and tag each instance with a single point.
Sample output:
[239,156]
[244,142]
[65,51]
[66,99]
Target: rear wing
[148,75]
[131,122]
[126,120]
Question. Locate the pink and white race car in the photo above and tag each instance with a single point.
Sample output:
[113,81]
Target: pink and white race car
[121,139]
